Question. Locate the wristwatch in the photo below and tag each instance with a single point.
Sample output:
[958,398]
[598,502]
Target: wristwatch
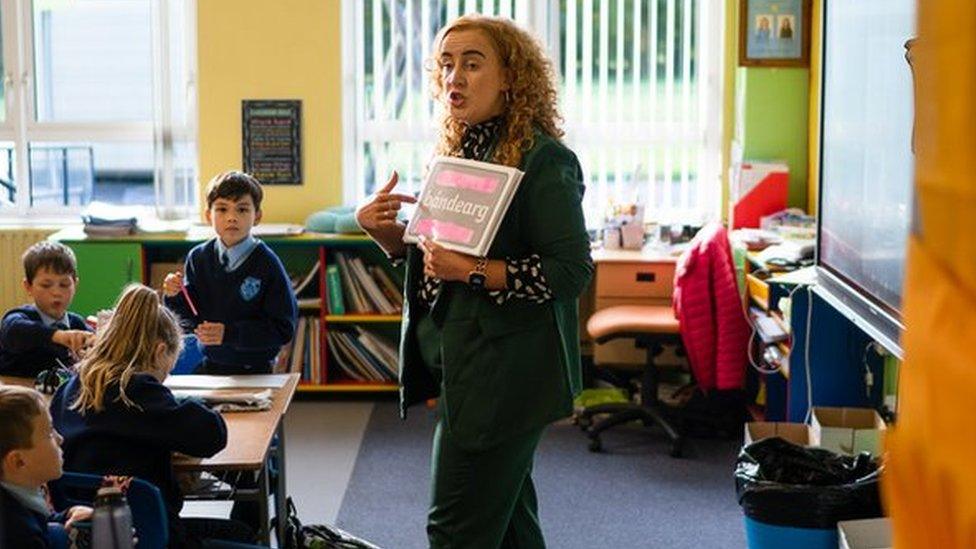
[478,276]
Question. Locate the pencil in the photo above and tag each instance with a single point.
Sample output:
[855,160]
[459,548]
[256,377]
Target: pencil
[186,295]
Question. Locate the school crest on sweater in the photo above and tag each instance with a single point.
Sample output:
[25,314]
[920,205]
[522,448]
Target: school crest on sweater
[250,288]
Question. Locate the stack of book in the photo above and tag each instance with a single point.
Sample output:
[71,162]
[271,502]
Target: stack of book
[102,219]
[357,288]
[362,356]
[299,285]
[304,354]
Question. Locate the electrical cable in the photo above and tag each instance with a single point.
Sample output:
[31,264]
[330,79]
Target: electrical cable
[806,354]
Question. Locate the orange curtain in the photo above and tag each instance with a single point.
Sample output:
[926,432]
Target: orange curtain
[930,487]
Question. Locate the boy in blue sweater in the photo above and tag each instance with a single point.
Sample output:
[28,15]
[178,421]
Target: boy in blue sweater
[30,456]
[234,292]
[35,337]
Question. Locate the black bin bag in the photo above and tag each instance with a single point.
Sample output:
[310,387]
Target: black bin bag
[780,483]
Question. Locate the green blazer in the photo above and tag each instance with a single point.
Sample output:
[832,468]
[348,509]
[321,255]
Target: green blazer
[513,367]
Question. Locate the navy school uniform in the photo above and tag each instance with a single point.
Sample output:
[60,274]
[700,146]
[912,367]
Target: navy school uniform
[137,441]
[22,527]
[254,301]
[26,348]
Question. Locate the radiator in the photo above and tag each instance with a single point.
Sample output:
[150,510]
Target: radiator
[13,242]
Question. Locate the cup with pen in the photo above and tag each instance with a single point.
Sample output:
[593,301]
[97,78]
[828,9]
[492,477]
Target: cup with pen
[48,381]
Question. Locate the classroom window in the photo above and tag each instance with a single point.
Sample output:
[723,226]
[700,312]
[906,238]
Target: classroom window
[104,111]
[640,91]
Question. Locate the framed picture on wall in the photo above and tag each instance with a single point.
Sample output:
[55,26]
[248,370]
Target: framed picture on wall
[774,33]
[272,140]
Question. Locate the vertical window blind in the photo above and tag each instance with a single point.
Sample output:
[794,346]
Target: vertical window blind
[639,83]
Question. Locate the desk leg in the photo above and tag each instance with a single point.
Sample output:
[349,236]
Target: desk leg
[264,491]
[281,496]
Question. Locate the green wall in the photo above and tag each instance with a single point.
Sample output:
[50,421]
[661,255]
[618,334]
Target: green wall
[772,113]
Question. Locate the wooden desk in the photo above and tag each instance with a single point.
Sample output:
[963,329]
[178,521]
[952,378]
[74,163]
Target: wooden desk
[249,436]
[631,277]
[249,448]
[22,381]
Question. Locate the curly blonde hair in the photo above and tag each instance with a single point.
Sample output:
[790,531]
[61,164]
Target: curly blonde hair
[532,99]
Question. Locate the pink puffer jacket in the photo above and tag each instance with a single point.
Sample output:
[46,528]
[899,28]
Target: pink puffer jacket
[708,306]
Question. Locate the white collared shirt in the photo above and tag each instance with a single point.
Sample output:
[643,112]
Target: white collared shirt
[237,253]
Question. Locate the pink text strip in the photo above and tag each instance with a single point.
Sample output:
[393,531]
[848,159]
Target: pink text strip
[444,230]
[460,180]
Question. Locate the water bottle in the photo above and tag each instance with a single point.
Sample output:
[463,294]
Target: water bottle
[111,520]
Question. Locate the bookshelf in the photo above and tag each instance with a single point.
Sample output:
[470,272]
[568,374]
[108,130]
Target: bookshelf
[329,337]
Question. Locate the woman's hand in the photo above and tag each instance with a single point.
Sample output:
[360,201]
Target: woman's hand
[439,262]
[380,211]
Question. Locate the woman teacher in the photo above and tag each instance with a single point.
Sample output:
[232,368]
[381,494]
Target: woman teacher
[495,337]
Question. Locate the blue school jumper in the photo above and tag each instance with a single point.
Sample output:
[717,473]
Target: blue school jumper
[22,527]
[137,441]
[254,301]
[26,348]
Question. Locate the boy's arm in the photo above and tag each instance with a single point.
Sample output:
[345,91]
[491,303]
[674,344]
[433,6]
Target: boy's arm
[278,325]
[178,304]
[19,333]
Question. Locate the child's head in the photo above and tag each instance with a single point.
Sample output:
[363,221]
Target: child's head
[50,277]
[233,205]
[30,448]
[143,336]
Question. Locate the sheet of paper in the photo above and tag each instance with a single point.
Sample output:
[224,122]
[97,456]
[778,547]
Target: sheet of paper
[235,396]
[274,381]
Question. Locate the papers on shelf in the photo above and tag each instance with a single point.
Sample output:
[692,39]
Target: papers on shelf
[462,204]
[273,381]
[277,229]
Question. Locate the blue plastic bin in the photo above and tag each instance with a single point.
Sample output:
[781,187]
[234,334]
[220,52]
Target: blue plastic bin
[760,535]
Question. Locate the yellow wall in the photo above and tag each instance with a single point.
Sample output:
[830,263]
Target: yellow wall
[286,49]
[813,175]
[728,100]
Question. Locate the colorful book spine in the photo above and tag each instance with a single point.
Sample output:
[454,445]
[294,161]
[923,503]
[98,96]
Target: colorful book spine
[333,281]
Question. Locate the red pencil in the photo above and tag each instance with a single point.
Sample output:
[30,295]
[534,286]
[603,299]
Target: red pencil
[186,295]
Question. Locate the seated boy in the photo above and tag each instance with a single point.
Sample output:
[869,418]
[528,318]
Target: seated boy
[30,456]
[35,337]
[241,305]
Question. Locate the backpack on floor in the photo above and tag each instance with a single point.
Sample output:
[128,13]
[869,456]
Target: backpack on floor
[316,536]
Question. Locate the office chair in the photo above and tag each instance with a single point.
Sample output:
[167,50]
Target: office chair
[145,501]
[652,326]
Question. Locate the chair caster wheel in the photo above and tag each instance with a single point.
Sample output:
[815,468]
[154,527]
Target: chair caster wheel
[595,445]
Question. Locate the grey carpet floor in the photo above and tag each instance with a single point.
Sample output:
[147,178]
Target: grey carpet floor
[631,496]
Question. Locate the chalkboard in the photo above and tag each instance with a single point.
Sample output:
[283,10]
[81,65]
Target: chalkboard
[272,131]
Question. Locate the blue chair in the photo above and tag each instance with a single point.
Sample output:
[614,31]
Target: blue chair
[148,509]
[57,536]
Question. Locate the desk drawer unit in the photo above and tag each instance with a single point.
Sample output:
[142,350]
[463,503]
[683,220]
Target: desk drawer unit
[639,280]
[624,283]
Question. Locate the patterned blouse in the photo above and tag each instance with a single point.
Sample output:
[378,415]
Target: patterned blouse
[524,277]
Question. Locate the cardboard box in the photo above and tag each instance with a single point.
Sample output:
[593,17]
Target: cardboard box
[797,433]
[848,430]
[158,272]
[864,534]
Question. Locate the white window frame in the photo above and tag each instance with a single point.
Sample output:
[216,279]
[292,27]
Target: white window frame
[21,126]
[580,130]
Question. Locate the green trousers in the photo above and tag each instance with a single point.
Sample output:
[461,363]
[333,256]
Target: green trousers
[483,499]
